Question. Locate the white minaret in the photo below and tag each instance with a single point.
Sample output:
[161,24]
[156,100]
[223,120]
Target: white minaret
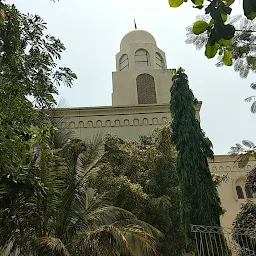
[141,75]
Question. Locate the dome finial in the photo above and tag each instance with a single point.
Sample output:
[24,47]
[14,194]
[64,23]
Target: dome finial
[135,25]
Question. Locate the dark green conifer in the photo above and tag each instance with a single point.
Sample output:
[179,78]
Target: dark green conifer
[200,203]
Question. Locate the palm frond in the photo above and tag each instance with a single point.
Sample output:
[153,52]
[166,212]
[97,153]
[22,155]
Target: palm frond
[139,241]
[106,215]
[105,241]
[53,246]
[94,212]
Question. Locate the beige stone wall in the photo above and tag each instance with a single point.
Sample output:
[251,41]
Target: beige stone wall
[227,165]
[128,122]
[125,87]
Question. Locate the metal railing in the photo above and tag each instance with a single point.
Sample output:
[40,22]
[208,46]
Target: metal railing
[218,241]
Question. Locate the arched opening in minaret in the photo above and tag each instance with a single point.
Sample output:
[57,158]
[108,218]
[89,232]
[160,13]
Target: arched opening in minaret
[146,89]
[142,58]
[159,61]
[239,192]
[124,63]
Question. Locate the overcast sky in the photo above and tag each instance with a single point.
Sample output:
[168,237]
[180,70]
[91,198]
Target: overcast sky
[92,30]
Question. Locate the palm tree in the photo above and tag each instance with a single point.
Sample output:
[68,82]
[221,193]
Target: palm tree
[70,218]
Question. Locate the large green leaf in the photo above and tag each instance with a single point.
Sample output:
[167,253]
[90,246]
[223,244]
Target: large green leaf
[175,3]
[227,58]
[211,51]
[227,31]
[249,9]
[224,17]
[198,2]
[199,27]
[224,42]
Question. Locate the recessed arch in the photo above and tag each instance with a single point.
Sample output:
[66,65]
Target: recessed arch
[89,124]
[159,61]
[136,122]
[155,121]
[146,90]
[71,125]
[239,192]
[142,58]
[117,123]
[81,124]
[108,123]
[124,62]
[99,123]
[165,120]
[145,121]
[239,187]
[126,122]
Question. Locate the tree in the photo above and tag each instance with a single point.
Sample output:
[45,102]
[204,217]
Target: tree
[219,30]
[200,204]
[243,46]
[69,218]
[244,229]
[141,177]
[245,152]
[28,76]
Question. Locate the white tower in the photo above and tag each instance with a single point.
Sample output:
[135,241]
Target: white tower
[141,75]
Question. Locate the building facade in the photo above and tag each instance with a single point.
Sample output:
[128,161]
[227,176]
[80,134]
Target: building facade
[140,103]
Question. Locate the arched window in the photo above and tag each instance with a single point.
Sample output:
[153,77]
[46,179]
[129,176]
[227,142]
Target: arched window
[146,89]
[248,192]
[239,192]
[142,58]
[159,61]
[124,63]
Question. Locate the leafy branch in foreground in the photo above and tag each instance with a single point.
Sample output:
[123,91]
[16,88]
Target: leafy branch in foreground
[219,30]
[245,152]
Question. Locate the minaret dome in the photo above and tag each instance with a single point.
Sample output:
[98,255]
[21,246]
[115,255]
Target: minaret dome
[137,36]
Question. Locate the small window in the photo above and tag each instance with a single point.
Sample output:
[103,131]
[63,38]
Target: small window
[248,192]
[159,61]
[124,63]
[239,192]
[142,58]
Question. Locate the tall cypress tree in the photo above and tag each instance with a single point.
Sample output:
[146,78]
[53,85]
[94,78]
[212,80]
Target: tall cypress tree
[200,204]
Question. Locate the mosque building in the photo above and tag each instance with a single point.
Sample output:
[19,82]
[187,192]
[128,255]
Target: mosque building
[140,103]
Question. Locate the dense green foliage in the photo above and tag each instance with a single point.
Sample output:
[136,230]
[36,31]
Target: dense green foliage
[244,229]
[200,204]
[69,218]
[219,30]
[141,177]
[28,78]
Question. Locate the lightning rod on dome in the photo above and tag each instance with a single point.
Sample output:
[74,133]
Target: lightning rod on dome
[135,25]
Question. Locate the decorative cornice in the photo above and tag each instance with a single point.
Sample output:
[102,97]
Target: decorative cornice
[115,110]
